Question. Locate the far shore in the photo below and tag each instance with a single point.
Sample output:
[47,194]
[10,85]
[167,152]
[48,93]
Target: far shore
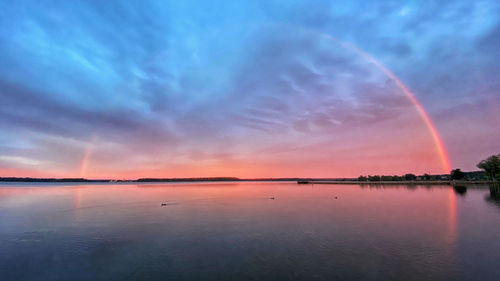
[415,182]
[233,179]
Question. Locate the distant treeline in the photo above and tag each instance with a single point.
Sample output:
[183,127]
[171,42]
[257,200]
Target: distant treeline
[142,180]
[17,179]
[456,174]
[187,179]
[224,179]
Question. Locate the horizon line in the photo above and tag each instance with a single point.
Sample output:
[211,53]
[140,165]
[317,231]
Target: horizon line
[214,178]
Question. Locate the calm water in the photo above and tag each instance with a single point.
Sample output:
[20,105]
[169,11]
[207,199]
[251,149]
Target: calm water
[234,231]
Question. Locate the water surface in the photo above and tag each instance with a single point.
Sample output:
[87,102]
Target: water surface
[235,231]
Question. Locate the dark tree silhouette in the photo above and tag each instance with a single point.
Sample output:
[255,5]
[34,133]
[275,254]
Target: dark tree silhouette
[362,178]
[457,174]
[386,178]
[491,166]
[410,177]
[397,178]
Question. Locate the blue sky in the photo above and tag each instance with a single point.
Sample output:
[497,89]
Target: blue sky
[249,88]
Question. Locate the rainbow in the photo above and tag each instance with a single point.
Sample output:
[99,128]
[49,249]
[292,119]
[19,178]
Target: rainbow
[85,159]
[439,144]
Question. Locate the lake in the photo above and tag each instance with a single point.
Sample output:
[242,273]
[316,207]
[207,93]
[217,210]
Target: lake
[236,231]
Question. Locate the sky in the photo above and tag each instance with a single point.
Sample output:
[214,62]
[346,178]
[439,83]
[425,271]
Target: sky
[130,89]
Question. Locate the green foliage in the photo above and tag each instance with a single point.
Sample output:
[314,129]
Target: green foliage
[491,166]
[386,178]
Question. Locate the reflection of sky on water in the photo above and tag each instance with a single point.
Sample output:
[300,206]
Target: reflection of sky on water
[230,231]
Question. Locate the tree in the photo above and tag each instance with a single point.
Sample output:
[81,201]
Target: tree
[397,178]
[491,166]
[457,174]
[386,178]
[362,178]
[410,177]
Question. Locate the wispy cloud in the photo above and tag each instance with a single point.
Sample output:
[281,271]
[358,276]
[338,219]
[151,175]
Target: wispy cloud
[165,86]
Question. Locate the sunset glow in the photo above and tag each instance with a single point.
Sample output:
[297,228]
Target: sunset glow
[249,140]
[251,89]
[440,147]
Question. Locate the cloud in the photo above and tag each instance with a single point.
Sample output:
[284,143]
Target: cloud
[40,112]
[160,85]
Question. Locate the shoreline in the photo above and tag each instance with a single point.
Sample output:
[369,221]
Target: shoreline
[444,182]
[300,181]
